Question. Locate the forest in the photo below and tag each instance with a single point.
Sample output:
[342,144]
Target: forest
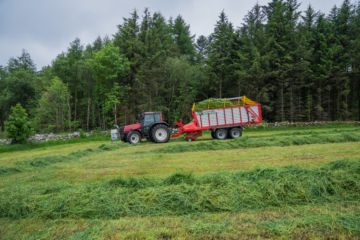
[300,65]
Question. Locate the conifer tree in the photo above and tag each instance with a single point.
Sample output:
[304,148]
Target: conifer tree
[220,56]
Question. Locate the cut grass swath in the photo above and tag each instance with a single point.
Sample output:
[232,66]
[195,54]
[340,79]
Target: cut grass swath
[182,193]
[249,142]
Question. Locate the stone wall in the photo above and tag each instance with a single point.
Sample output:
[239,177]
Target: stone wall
[48,137]
[5,141]
[52,136]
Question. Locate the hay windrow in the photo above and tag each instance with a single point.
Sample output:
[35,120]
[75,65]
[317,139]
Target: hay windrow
[8,170]
[213,103]
[183,193]
[250,142]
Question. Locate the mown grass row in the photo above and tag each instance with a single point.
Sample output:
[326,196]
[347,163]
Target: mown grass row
[250,142]
[311,224]
[325,221]
[50,143]
[296,132]
[304,126]
[41,162]
[183,193]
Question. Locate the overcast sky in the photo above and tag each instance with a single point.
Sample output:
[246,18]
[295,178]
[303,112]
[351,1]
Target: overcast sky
[46,27]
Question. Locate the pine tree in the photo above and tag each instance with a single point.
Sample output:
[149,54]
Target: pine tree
[182,37]
[342,60]
[281,46]
[18,125]
[251,67]
[157,45]
[355,68]
[220,56]
[303,89]
[201,47]
[128,40]
[321,67]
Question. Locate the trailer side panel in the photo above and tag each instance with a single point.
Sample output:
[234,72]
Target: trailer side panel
[229,116]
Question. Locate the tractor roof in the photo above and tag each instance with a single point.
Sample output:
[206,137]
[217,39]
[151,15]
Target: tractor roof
[150,112]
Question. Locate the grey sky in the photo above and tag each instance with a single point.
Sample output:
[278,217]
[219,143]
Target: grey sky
[46,27]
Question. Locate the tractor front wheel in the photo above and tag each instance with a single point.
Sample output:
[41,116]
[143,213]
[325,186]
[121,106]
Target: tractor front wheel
[133,137]
[160,133]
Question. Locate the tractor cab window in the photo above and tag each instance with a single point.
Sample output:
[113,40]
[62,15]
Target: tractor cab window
[140,118]
[157,117]
[148,119]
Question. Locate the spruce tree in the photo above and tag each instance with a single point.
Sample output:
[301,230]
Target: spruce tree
[183,38]
[220,57]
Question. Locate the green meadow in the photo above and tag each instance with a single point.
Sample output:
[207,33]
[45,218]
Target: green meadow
[275,183]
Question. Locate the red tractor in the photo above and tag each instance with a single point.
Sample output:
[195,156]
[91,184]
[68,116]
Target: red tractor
[150,125]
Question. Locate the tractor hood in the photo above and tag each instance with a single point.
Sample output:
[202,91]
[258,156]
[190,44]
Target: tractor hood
[135,126]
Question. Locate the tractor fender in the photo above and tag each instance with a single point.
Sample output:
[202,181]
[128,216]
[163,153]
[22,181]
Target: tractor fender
[157,123]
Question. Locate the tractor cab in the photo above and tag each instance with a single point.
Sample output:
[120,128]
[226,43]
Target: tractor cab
[150,125]
[148,118]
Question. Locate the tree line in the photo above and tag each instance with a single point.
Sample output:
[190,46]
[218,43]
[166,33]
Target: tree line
[301,66]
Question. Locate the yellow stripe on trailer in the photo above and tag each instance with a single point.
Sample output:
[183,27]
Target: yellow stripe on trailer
[247,101]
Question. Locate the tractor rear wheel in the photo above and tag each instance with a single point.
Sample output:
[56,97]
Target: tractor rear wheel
[160,133]
[235,132]
[221,134]
[133,137]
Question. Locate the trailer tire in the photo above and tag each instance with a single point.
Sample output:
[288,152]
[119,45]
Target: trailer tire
[133,137]
[221,134]
[160,133]
[213,134]
[235,132]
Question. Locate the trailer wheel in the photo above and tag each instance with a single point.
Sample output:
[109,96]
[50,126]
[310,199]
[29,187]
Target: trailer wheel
[221,134]
[213,134]
[133,137]
[235,132]
[160,133]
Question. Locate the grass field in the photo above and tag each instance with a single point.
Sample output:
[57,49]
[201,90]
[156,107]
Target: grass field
[296,182]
